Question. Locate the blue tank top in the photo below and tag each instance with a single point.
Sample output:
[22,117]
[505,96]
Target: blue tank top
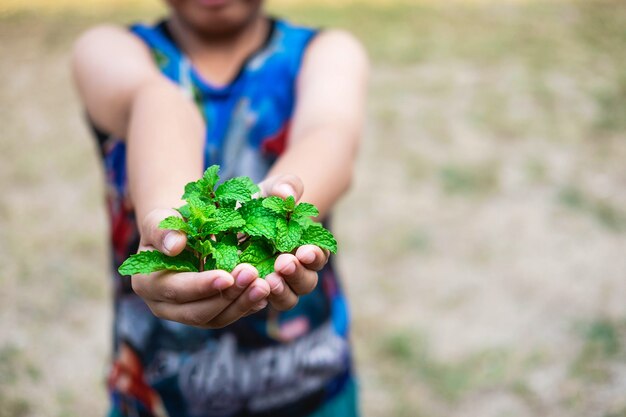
[268,364]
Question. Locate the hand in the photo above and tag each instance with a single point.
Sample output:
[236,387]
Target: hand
[295,274]
[209,299]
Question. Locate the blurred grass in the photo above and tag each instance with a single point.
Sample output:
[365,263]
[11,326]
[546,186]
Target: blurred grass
[450,380]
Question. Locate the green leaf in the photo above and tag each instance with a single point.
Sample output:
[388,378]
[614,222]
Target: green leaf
[260,221]
[261,255]
[224,219]
[151,261]
[290,203]
[192,189]
[288,235]
[305,222]
[203,247]
[266,267]
[229,238]
[236,189]
[228,219]
[201,211]
[184,211]
[209,264]
[306,210]
[204,186]
[226,256]
[317,235]
[174,223]
[252,187]
[211,177]
[221,221]
[276,204]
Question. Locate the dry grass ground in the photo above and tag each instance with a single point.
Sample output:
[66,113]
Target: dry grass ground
[483,243]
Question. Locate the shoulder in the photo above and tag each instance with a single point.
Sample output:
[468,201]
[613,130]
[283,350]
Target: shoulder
[114,51]
[109,65]
[109,47]
[335,53]
[107,38]
[339,46]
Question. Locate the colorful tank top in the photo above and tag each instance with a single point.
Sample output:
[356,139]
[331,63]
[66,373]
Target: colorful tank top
[268,364]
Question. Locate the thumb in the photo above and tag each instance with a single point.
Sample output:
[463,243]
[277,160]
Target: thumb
[283,185]
[169,242]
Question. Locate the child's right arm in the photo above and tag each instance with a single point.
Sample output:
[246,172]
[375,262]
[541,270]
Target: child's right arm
[126,95]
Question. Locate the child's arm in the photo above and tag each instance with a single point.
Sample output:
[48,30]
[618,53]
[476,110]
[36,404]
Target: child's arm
[125,95]
[324,137]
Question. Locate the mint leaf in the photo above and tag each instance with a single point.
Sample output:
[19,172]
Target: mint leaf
[204,186]
[211,177]
[203,247]
[317,235]
[184,211]
[174,223]
[306,210]
[261,255]
[288,234]
[151,261]
[226,256]
[290,203]
[266,266]
[225,225]
[276,204]
[224,219]
[192,189]
[199,211]
[305,222]
[236,189]
[210,264]
[260,221]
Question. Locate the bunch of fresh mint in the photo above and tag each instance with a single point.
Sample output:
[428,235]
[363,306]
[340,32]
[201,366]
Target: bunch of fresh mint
[226,226]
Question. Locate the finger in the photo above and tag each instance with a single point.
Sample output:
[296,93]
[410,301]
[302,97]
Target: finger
[258,307]
[299,278]
[312,257]
[282,296]
[201,313]
[196,313]
[181,287]
[254,294]
[169,242]
[244,275]
[283,186]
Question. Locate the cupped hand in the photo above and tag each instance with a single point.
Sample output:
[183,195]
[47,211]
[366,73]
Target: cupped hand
[209,299]
[294,274]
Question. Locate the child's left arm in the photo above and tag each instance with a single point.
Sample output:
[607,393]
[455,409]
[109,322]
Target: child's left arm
[324,137]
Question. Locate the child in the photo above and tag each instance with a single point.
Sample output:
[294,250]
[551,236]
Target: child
[219,82]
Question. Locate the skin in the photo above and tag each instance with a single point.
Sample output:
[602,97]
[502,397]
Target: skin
[125,94]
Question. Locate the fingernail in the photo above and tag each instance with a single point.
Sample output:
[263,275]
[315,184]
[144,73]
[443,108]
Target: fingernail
[261,305]
[245,278]
[170,241]
[257,294]
[221,283]
[285,190]
[288,269]
[307,258]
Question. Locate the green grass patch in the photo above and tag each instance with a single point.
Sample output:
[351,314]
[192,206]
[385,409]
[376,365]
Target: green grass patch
[14,367]
[601,346]
[606,213]
[470,179]
[450,381]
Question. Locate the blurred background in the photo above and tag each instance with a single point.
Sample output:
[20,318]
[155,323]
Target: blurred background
[483,244]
